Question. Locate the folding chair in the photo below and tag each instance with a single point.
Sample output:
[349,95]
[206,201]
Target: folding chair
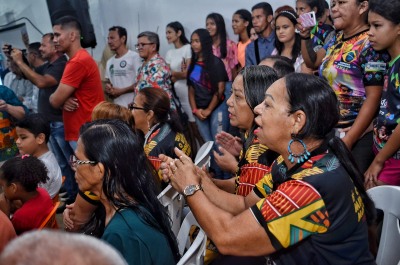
[387,198]
[50,221]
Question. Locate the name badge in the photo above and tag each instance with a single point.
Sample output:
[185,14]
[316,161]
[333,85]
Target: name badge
[375,67]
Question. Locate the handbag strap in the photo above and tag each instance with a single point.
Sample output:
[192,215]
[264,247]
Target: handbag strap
[257,51]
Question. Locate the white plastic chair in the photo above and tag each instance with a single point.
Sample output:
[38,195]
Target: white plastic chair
[195,251]
[387,199]
[203,155]
[173,201]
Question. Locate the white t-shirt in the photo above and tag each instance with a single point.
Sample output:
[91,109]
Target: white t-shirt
[174,58]
[52,185]
[122,73]
[297,64]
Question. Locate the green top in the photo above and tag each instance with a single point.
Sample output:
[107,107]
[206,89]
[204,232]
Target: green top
[138,242]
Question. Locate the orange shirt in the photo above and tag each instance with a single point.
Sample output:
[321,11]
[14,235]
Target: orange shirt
[7,231]
[242,52]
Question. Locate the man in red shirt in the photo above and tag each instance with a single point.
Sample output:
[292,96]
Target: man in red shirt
[80,87]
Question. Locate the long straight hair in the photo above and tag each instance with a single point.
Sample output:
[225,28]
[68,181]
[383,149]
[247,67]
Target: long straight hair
[129,181]
[221,32]
[176,26]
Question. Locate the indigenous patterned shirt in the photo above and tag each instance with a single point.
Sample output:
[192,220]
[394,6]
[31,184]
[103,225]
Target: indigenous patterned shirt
[162,140]
[312,213]
[389,112]
[254,163]
[350,65]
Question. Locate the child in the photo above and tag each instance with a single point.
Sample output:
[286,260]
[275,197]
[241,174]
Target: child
[19,179]
[33,134]
[384,33]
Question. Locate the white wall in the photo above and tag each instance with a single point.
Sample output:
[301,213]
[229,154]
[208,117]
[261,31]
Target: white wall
[135,15]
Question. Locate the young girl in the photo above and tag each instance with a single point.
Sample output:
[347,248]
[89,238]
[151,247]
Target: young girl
[19,178]
[287,42]
[384,33]
[241,25]
[206,80]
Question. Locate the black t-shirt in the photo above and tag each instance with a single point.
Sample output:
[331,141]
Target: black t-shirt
[56,70]
[200,80]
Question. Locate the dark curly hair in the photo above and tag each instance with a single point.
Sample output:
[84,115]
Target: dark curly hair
[26,170]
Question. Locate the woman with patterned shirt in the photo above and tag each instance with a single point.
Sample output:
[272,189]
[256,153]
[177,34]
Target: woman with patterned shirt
[152,116]
[248,91]
[311,208]
[355,72]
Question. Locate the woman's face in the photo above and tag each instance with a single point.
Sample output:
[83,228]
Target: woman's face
[139,115]
[88,177]
[284,28]
[195,43]
[382,33]
[253,34]
[171,35]
[240,114]
[211,27]
[272,117]
[345,13]
[238,24]
[302,8]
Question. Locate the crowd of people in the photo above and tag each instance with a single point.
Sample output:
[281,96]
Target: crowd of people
[298,115]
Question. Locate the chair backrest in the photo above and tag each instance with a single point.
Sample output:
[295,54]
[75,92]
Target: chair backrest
[50,221]
[203,155]
[194,254]
[173,201]
[387,198]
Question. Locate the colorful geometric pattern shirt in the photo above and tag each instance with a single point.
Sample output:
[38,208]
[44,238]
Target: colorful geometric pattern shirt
[312,213]
[350,65]
[319,35]
[155,73]
[162,140]
[389,112]
[254,164]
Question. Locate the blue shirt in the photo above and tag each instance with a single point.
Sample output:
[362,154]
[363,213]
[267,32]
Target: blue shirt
[265,48]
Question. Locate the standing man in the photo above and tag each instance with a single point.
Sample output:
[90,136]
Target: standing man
[154,71]
[262,47]
[122,68]
[80,87]
[47,78]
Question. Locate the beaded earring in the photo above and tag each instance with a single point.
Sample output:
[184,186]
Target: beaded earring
[299,157]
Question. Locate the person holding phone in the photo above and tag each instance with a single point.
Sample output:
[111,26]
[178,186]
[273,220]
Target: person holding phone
[322,31]
[355,72]
[288,42]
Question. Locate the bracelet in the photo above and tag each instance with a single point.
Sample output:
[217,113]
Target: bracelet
[194,111]
[305,38]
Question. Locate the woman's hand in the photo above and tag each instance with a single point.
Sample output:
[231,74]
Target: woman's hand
[181,172]
[201,114]
[371,175]
[226,161]
[68,223]
[229,142]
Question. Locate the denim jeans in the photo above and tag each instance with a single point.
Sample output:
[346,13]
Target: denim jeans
[63,151]
[217,122]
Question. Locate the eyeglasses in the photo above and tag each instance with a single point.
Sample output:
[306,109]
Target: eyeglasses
[131,106]
[141,45]
[74,162]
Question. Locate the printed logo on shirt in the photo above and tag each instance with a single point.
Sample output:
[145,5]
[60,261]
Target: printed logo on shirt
[122,64]
[375,67]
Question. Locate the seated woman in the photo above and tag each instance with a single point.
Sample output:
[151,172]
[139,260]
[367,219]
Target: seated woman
[109,110]
[130,218]
[248,91]
[152,117]
[294,214]
[19,179]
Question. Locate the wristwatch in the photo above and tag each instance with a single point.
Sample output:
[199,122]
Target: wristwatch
[191,189]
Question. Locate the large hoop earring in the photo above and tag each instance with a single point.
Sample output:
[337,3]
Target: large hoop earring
[299,157]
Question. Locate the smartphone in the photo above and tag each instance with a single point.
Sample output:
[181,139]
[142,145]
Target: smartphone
[308,19]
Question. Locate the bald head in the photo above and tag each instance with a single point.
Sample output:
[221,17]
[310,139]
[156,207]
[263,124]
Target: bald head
[51,247]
